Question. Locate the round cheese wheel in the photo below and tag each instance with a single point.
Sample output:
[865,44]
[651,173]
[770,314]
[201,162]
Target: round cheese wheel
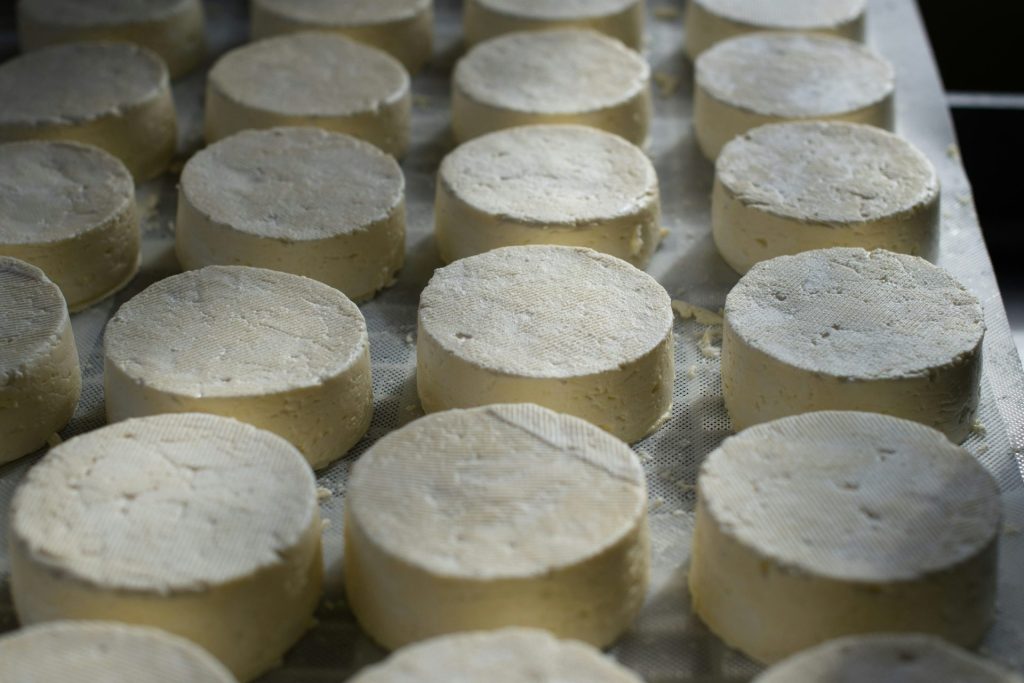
[40,379]
[563,184]
[568,328]
[621,19]
[505,515]
[314,79]
[95,651]
[402,28]
[200,525]
[840,523]
[173,29]
[889,657]
[556,76]
[764,78]
[521,655]
[709,22]
[69,209]
[299,200]
[848,329]
[279,351]
[790,187]
[115,96]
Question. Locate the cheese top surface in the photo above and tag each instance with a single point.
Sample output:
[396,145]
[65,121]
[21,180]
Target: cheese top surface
[558,71]
[105,652]
[557,9]
[514,655]
[310,74]
[558,174]
[501,491]
[545,311]
[293,183]
[52,191]
[889,657]
[827,172]
[853,496]
[855,314]
[795,14]
[169,503]
[100,12]
[348,13]
[235,331]
[32,311]
[794,75]
[77,82]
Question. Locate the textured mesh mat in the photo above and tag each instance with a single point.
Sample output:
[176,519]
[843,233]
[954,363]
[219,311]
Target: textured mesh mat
[667,643]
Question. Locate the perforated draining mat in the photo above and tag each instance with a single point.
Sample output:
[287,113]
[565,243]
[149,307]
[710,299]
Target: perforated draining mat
[667,643]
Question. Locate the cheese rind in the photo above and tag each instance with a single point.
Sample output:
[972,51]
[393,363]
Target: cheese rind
[512,655]
[568,328]
[791,187]
[557,76]
[69,209]
[173,29]
[115,96]
[752,80]
[520,516]
[565,184]
[314,79]
[200,525]
[299,200]
[621,19]
[402,28]
[848,329]
[279,351]
[709,22]
[40,378]
[838,523]
[94,651]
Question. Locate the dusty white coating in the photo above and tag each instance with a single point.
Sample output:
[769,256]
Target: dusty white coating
[105,652]
[503,656]
[32,314]
[92,12]
[794,14]
[557,9]
[348,13]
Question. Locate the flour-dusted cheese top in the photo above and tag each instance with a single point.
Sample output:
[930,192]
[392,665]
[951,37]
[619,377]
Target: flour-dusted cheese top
[101,12]
[348,13]
[32,316]
[168,503]
[502,491]
[514,655]
[794,14]
[827,172]
[851,496]
[105,652]
[856,314]
[557,9]
[545,311]
[551,174]
[294,183]
[794,75]
[234,331]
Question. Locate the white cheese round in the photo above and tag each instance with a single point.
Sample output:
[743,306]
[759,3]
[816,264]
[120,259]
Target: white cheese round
[299,200]
[568,328]
[200,525]
[105,652]
[848,329]
[889,657]
[69,209]
[513,655]
[571,185]
[556,76]
[173,29]
[40,379]
[115,96]
[402,28]
[840,523]
[621,19]
[279,351]
[790,187]
[505,515]
[764,78]
[310,79]
[709,22]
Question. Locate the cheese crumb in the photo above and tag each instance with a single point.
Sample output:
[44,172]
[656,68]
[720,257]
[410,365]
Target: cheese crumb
[710,343]
[667,83]
[702,315]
